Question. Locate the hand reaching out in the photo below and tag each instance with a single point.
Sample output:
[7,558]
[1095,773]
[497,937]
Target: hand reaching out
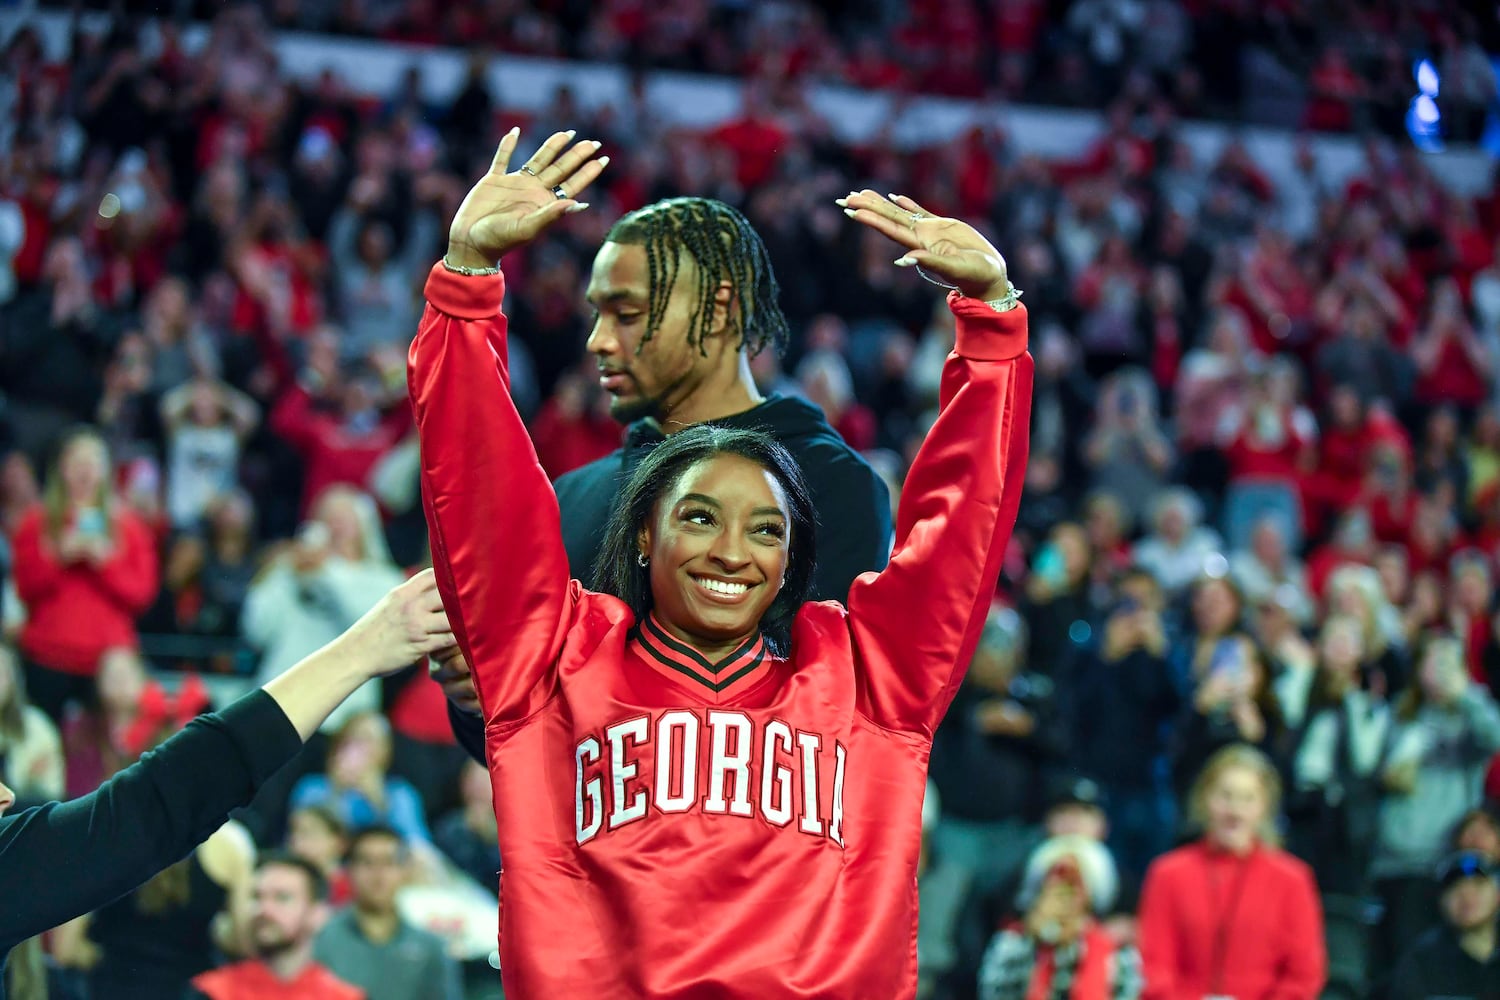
[948,249]
[510,208]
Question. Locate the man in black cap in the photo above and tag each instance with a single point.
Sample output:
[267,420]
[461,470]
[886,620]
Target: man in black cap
[1459,958]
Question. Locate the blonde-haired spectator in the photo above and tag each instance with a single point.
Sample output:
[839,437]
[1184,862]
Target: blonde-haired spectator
[1178,549]
[1231,914]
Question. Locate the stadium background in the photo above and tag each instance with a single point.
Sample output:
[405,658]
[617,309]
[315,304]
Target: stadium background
[1257,240]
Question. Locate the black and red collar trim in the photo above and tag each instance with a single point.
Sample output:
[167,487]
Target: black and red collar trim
[654,644]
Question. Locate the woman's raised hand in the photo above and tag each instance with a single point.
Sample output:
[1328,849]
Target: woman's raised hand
[949,250]
[510,208]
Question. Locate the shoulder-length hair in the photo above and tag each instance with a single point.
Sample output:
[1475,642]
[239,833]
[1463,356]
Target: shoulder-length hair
[55,494]
[616,569]
[1239,755]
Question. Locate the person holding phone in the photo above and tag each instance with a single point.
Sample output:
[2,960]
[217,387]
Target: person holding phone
[1234,703]
[85,567]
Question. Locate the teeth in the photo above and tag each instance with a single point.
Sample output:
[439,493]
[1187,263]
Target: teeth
[719,587]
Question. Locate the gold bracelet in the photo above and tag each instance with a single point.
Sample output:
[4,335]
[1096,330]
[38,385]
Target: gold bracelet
[470,272]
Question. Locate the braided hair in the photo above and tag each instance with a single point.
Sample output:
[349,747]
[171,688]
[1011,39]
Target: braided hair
[725,247]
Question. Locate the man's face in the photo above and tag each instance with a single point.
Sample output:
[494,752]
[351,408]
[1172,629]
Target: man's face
[1471,902]
[283,913]
[642,381]
[377,869]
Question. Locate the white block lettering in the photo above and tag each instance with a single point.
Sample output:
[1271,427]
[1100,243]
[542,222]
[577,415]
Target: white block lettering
[776,778]
[811,821]
[593,808]
[836,825]
[669,770]
[724,763]
[622,734]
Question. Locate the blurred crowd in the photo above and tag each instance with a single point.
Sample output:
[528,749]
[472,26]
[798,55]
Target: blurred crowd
[1262,509]
[1339,66]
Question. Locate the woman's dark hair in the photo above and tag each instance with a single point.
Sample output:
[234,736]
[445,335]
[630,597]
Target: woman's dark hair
[724,245]
[617,571]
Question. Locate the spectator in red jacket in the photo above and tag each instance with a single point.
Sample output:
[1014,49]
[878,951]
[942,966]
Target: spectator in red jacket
[1231,914]
[85,567]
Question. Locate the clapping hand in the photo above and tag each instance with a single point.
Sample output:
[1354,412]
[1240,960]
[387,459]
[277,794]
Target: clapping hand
[510,208]
[948,250]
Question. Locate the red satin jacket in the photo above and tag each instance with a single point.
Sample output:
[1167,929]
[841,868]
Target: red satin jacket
[673,827]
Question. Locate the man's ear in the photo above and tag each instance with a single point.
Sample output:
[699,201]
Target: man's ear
[726,315]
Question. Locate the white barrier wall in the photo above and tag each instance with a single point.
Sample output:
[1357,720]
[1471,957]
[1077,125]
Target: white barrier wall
[530,83]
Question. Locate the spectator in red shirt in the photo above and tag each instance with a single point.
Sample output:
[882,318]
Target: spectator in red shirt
[1231,914]
[342,445]
[1453,365]
[754,139]
[289,907]
[86,568]
[573,427]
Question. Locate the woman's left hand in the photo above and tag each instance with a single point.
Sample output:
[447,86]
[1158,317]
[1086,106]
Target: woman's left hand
[950,250]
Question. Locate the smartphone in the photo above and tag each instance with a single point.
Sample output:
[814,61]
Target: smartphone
[1226,659]
[313,535]
[1050,566]
[91,523]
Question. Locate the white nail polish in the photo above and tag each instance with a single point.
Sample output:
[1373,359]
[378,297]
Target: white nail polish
[849,212]
[603,161]
[905,262]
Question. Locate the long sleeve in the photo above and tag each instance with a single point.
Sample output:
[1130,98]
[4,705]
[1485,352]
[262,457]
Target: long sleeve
[129,578]
[491,513]
[66,858]
[915,624]
[1483,719]
[1304,965]
[37,571]
[1157,934]
[267,604]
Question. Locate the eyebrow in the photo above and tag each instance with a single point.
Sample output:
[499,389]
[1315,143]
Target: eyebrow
[709,501]
[615,296]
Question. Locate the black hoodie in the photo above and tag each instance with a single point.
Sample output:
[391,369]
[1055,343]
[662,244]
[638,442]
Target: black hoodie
[852,503]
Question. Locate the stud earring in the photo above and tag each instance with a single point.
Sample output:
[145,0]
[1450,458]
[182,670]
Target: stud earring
[642,560]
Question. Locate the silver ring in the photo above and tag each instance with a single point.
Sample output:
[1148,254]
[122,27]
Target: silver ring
[917,217]
[526,169]
[561,194]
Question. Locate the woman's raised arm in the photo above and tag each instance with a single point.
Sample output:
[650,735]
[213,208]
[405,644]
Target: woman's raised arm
[915,624]
[491,513]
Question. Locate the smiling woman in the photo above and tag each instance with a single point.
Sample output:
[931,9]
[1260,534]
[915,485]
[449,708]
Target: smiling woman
[720,524]
[705,783]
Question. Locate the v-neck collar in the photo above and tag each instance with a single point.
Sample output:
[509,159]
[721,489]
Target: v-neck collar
[676,659]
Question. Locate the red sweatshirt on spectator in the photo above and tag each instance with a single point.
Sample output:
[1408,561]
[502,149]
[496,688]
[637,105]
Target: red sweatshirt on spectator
[332,452]
[76,611]
[1216,924]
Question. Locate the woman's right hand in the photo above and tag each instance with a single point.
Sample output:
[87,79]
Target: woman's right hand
[406,626]
[510,208]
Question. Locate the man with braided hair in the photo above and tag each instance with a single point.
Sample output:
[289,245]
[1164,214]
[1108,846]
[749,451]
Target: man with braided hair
[684,296]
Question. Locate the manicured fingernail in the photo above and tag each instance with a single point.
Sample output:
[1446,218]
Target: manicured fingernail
[515,130]
[893,197]
[841,201]
[849,212]
[570,133]
[575,209]
[596,143]
[603,161]
[905,262]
